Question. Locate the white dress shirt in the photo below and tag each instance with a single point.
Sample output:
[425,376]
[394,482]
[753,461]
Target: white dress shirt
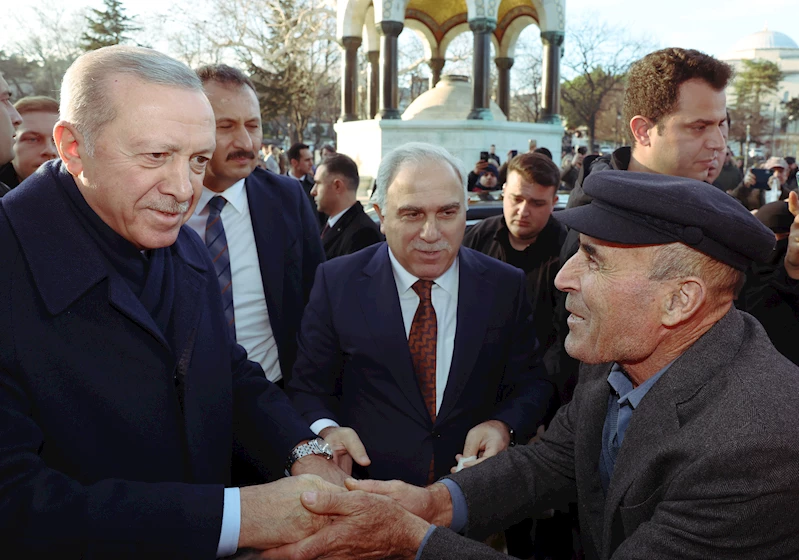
[445,303]
[253,329]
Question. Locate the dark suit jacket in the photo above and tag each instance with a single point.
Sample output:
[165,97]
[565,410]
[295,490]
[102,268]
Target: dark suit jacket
[352,232]
[354,365]
[289,250]
[709,467]
[115,443]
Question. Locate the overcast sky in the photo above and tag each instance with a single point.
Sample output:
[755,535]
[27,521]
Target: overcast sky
[712,26]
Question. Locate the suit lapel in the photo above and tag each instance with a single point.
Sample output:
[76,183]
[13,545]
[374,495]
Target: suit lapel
[66,264]
[472,322]
[337,230]
[125,301]
[381,308]
[657,418]
[270,242]
[186,313]
[190,283]
[588,443]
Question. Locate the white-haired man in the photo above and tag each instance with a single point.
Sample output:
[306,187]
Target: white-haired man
[121,390]
[397,364]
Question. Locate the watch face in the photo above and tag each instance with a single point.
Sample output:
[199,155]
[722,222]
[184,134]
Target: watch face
[324,447]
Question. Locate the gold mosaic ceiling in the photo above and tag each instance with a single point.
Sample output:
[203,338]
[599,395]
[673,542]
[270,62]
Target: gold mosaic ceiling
[442,15]
[438,10]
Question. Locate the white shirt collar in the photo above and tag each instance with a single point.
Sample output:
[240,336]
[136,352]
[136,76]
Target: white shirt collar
[405,279]
[331,221]
[234,194]
[291,174]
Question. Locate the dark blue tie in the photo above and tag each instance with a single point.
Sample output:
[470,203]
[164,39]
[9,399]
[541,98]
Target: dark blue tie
[216,242]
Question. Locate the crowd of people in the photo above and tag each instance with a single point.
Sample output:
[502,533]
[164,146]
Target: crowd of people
[210,349]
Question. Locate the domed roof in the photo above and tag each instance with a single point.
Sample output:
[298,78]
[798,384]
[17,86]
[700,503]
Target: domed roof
[450,100]
[765,40]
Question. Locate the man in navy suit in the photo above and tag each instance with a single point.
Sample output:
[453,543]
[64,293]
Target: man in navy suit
[417,351]
[269,249]
[271,230]
[121,390]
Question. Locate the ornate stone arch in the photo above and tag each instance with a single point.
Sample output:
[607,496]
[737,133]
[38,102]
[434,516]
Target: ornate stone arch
[457,30]
[371,40]
[350,17]
[429,40]
[509,31]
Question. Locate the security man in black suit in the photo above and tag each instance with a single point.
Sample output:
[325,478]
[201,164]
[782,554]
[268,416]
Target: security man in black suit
[348,228]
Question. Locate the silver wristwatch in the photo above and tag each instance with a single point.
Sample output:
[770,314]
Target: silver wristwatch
[316,446]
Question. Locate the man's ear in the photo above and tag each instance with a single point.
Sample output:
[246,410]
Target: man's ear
[640,127]
[380,215]
[339,184]
[69,143]
[683,300]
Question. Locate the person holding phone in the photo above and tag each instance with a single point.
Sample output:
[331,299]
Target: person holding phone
[761,186]
[484,176]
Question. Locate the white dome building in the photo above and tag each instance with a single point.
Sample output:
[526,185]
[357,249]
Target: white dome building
[776,47]
[765,40]
[783,50]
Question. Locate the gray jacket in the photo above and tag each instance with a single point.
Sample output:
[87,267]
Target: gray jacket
[709,467]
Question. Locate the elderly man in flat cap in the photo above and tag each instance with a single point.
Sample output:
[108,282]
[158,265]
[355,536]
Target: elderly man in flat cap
[681,440]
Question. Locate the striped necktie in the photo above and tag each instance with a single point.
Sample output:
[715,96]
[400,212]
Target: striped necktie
[216,242]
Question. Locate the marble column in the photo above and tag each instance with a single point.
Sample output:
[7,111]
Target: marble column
[504,65]
[349,78]
[481,28]
[436,66]
[374,81]
[550,102]
[389,95]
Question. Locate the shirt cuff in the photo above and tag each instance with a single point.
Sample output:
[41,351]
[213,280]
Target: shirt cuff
[231,523]
[460,510]
[323,423]
[424,541]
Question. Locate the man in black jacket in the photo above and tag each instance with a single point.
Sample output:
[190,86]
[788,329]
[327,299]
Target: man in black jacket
[348,228]
[526,235]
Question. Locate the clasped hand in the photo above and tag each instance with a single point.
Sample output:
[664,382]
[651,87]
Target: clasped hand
[373,520]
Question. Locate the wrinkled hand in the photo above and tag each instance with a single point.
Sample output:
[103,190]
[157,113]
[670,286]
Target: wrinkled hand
[433,504]
[483,441]
[347,446]
[750,179]
[363,525]
[792,255]
[320,466]
[272,515]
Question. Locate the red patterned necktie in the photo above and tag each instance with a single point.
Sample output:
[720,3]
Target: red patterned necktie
[422,342]
[324,229]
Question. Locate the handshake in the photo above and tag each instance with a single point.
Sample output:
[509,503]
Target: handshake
[304,517]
